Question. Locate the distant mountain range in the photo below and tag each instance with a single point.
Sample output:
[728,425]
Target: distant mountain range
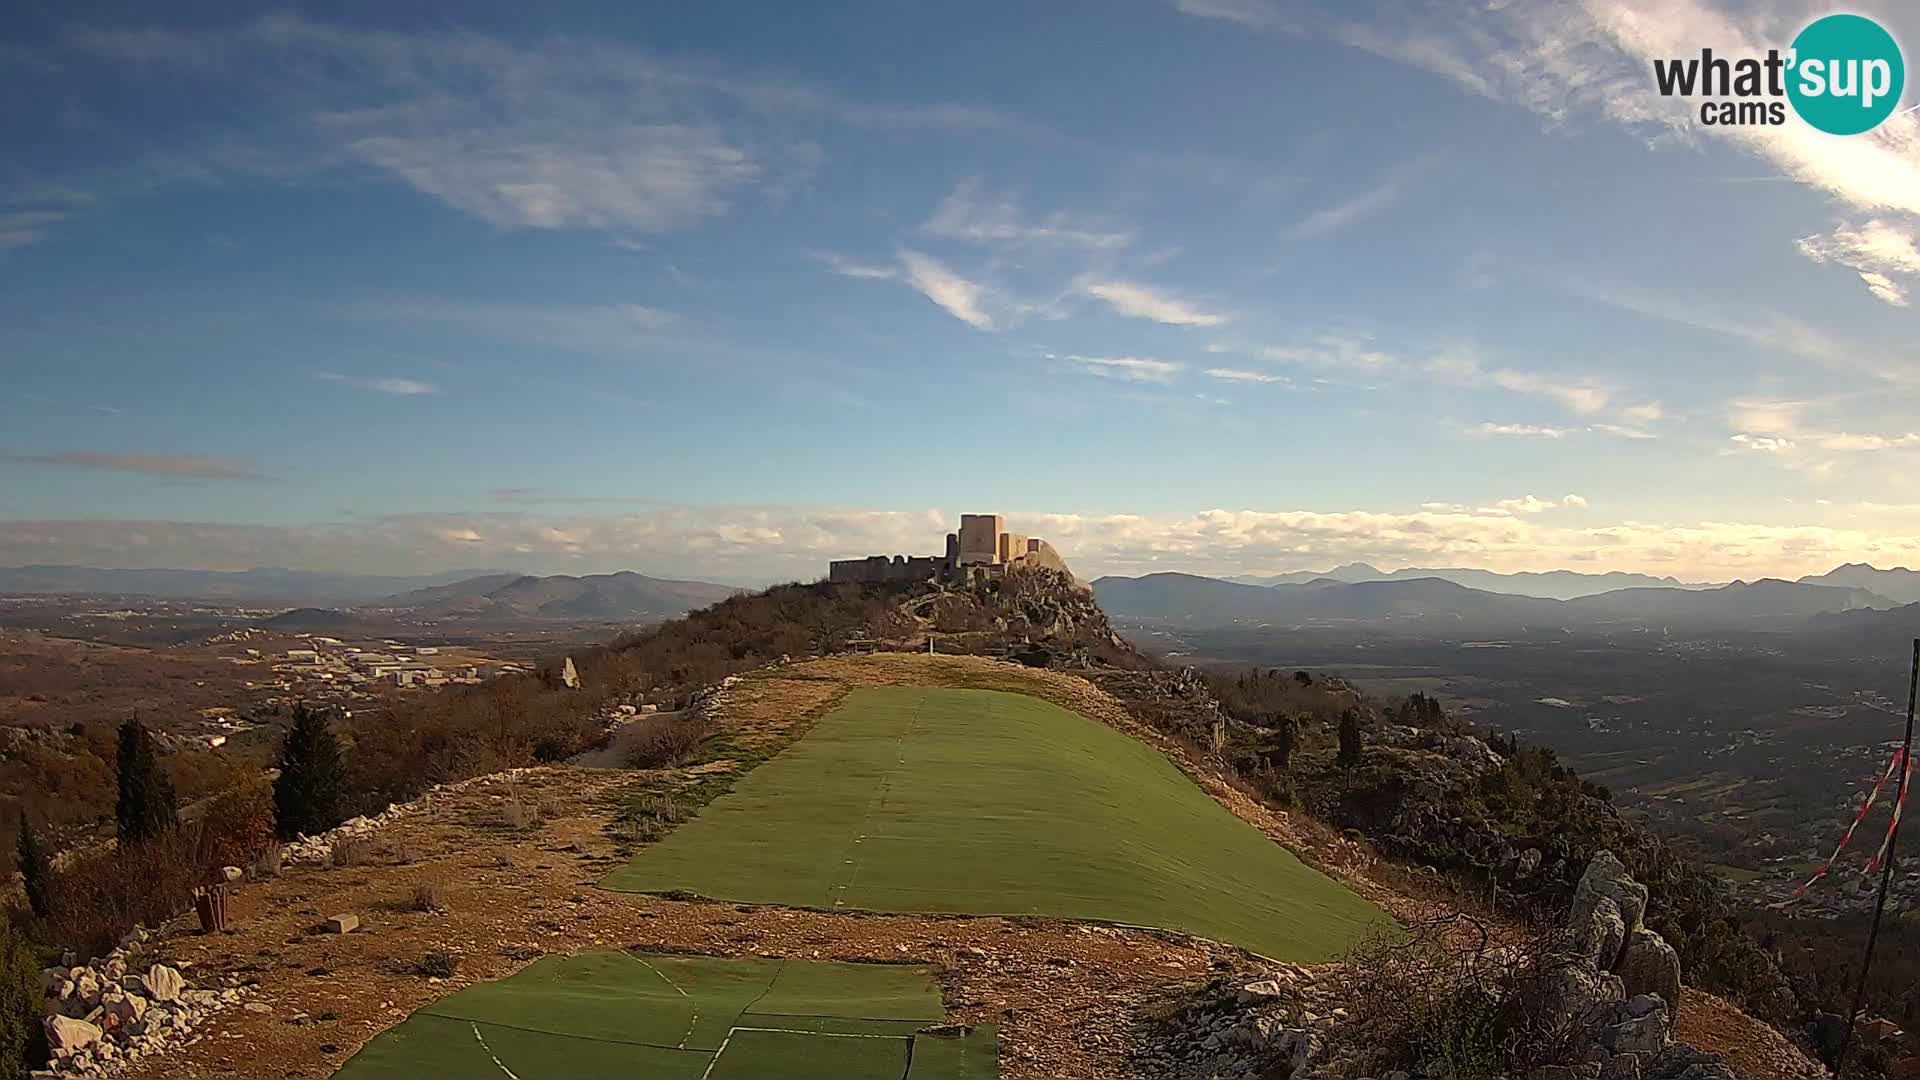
[266,585]
[1433,603]
[622,596]
[1898,584]
[1552,585]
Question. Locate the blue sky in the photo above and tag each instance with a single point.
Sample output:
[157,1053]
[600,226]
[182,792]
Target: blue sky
[727,289]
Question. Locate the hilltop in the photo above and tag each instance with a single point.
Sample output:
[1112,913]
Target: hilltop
[1199,799]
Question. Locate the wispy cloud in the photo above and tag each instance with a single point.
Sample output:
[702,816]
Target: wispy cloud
[1876,250]
[1137,301]
[1334,351]
[972,214]
[1356,207]
[846,267]
[1622,431]
[1127,368]
[1258,14]
[394,387]
[1244,376]
[1523,431]
[953,294]
[173,466]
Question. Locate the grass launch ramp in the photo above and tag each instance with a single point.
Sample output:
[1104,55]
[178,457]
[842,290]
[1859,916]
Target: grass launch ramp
[989,803]
[608,1015]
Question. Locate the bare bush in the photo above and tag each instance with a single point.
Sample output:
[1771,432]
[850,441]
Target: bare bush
[351,851]
[95,897]
[430,896]
[237,824]
[266,865]
[520,813]
[668,743]
[437,964]
[1445,998]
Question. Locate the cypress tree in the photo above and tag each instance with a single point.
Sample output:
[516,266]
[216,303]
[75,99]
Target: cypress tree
[1349,739]
[23,1041]
[307,794]
[146,805]
[34,866]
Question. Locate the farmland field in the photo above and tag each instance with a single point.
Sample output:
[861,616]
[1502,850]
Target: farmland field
[606,1015]
[981,802]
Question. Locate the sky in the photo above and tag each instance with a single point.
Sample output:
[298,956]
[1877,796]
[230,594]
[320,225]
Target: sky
[725,290]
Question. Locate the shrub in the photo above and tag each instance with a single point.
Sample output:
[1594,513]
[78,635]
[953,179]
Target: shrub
[307,794]
[520,812]
[95,897]
[429,896]
[31,860]
[438,964]
[266,865]
[146,805]
[351,851]
[238,823]
[23,1043]
[667,744]
[1442,999]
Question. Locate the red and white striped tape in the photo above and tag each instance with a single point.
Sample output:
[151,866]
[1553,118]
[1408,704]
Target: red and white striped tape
[1872,796]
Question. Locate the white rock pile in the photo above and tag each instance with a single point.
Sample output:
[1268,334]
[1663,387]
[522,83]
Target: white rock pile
[106,1015]
[1245,1028]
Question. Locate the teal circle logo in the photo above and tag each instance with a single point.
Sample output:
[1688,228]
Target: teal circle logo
[1847,74]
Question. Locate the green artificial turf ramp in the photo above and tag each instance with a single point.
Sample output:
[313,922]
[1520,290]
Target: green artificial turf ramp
[623,1015]
[981,802]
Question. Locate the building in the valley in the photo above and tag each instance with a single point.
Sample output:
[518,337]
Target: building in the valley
[981,547]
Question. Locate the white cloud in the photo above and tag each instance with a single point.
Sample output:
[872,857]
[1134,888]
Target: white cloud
[1529,504]
[1335,351]
[846,267]
[1533,431]
[1258,14]
[548,175]
[1622,431]
[1763,444]
[1876,250]
[973,215]
[1128,368]
[391,386]
[1242,375]
[952,293]
[1143,302]
[1581,395]
[1644,413]
[1355,207]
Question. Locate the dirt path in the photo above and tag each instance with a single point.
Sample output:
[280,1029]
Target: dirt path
[614,755]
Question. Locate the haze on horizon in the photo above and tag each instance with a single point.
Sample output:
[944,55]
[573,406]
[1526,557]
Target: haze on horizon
[724,291]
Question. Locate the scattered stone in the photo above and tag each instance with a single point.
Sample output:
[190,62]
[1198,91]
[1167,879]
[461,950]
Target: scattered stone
[343,924]
[232,874]
[66,1035]
[163,983]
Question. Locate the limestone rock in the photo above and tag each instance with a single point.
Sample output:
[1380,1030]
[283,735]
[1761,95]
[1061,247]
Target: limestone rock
[1639,1026]
[1608,906]
[66,1035]
[163,983]
[343,924]
[1651,966]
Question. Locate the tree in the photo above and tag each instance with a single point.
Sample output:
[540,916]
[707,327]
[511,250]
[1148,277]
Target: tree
[146,805]
[1349,739]
[34,866]
[306,796]
[23,1041]
[1286,733]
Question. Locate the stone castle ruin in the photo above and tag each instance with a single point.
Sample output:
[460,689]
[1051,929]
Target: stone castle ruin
[982,548]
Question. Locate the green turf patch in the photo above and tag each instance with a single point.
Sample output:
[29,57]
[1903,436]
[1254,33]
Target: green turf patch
[981,802]
[974,1056]
[608,1015]
[760,1055]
